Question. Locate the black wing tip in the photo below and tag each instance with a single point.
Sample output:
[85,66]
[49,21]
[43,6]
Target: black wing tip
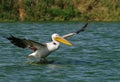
[16,41]
[82,29]
[86,25]
[10,37]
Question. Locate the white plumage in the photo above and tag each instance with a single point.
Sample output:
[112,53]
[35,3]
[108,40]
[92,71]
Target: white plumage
[41,51]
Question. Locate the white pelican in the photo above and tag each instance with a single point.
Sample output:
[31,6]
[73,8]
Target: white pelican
[41,51]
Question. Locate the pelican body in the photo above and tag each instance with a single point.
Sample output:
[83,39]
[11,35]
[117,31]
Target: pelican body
[41,51]
[45,49]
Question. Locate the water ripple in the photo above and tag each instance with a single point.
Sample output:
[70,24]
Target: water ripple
[93,58]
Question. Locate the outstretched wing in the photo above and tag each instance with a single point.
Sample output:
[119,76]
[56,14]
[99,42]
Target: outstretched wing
[25,43]
[74,33]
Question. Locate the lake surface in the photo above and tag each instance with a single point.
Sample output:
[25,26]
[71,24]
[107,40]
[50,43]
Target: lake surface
[95,56]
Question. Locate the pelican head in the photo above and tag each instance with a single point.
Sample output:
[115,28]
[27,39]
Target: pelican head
[57,38]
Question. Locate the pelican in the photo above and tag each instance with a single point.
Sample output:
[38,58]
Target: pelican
[40,50]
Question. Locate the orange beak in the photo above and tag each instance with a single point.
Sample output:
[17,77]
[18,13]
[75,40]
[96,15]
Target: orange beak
[62,40]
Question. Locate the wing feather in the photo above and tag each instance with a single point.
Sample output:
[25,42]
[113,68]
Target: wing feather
[25,43]
[77,32]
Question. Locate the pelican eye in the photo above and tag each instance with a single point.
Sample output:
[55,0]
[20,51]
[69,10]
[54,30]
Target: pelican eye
[54,43]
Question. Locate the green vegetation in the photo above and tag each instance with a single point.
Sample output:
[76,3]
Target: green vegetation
[59,10]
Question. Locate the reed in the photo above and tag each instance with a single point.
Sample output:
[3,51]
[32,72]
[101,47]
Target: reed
[59,10]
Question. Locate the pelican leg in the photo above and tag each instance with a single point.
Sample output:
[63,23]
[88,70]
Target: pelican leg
[43,60]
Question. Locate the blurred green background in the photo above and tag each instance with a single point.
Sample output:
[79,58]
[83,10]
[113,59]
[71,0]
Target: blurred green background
[59,10]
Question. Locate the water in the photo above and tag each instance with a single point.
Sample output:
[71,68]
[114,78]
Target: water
[95,56]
